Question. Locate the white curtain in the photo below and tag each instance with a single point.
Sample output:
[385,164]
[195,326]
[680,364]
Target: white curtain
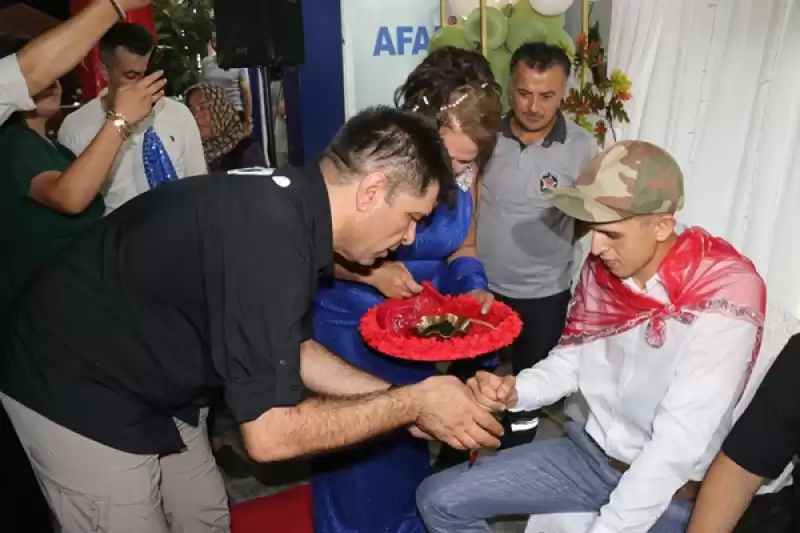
[717,83]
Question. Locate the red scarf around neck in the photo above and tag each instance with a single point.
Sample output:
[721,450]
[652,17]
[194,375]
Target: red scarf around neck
[700,273]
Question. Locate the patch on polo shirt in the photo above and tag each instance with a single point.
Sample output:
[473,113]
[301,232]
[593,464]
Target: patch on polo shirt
[548,181]
[258,171]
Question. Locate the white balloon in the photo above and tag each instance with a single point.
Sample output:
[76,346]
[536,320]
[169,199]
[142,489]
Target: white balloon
[462,8]
[549,8]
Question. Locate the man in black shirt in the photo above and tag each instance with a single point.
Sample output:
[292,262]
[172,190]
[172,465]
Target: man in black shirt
[113,351]
[759,447]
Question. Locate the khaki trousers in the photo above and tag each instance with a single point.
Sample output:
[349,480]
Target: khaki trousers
[94,488]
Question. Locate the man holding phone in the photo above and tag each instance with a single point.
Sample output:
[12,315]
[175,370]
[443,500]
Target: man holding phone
[163,147]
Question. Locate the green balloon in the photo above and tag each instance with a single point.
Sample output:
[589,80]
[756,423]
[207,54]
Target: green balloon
[523,6]
[563,40]
[496,27]
[553,23]
[500,61]
[452,35]
[524,27]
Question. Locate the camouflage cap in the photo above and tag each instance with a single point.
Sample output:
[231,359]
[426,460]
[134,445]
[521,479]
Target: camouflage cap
[630,178]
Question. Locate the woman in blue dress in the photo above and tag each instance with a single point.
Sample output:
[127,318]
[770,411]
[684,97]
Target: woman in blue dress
[370,488]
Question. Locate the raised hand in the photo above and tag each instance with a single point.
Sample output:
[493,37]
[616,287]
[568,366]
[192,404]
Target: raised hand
[449,413]
[393,280]
[493,392]
[135,102]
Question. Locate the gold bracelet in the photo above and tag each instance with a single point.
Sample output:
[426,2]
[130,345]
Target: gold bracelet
[123,126]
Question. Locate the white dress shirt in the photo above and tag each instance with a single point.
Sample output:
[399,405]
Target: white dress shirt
[172,121]
[14,95]
[665,411]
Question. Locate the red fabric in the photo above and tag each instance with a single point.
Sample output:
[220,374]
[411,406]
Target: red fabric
[388,327]
[289,511]
[701,273]
[91,80]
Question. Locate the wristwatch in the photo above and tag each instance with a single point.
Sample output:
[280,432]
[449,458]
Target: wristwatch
[123,126]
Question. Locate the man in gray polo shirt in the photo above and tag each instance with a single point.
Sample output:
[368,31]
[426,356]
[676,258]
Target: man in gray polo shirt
[526,244]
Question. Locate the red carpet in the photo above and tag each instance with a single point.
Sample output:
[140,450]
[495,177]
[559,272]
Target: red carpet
[289,511]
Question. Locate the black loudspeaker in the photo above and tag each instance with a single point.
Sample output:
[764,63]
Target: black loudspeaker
[255,33]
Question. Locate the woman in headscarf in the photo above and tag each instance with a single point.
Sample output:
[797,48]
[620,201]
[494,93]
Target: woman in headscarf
[226,143]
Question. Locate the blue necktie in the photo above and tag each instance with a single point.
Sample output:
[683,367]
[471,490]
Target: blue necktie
[158,166]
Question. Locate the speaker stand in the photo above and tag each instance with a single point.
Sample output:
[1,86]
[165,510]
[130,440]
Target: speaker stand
[266,90]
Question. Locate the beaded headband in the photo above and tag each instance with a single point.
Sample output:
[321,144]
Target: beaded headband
[451,105]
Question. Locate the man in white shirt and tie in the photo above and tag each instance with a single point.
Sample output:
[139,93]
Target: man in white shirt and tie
[165,146]
[660,335]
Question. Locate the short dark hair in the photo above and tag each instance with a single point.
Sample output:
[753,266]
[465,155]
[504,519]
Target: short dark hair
[134,38]
[542,57]
[405,146]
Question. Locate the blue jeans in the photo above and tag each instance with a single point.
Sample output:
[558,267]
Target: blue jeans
[565,475]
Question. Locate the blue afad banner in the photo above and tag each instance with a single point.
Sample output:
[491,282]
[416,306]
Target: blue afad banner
[404,40]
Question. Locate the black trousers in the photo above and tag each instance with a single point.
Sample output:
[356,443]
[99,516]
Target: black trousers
[543,321]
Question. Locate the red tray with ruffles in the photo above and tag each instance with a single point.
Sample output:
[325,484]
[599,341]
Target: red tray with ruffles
[391,327]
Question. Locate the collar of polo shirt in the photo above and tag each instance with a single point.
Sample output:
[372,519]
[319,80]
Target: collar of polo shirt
[557,134]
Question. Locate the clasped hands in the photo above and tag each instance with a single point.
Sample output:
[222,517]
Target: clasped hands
[460,415]
[492,392]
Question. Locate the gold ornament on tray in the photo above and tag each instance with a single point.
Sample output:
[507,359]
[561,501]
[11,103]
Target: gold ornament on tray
[446,326]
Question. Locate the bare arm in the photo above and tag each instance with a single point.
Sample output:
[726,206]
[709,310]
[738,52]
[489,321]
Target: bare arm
[441,407]
[57,51]
[321,424]
[726,493]
[247,99]
[327,374]
[74,189]
[390,278]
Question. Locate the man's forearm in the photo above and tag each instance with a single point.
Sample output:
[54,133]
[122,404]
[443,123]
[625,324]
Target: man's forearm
[56,52]
[247,101]
[327,374]
[322,424]
[726,493]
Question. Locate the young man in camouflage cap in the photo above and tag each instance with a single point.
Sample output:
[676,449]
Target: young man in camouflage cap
[660,333]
